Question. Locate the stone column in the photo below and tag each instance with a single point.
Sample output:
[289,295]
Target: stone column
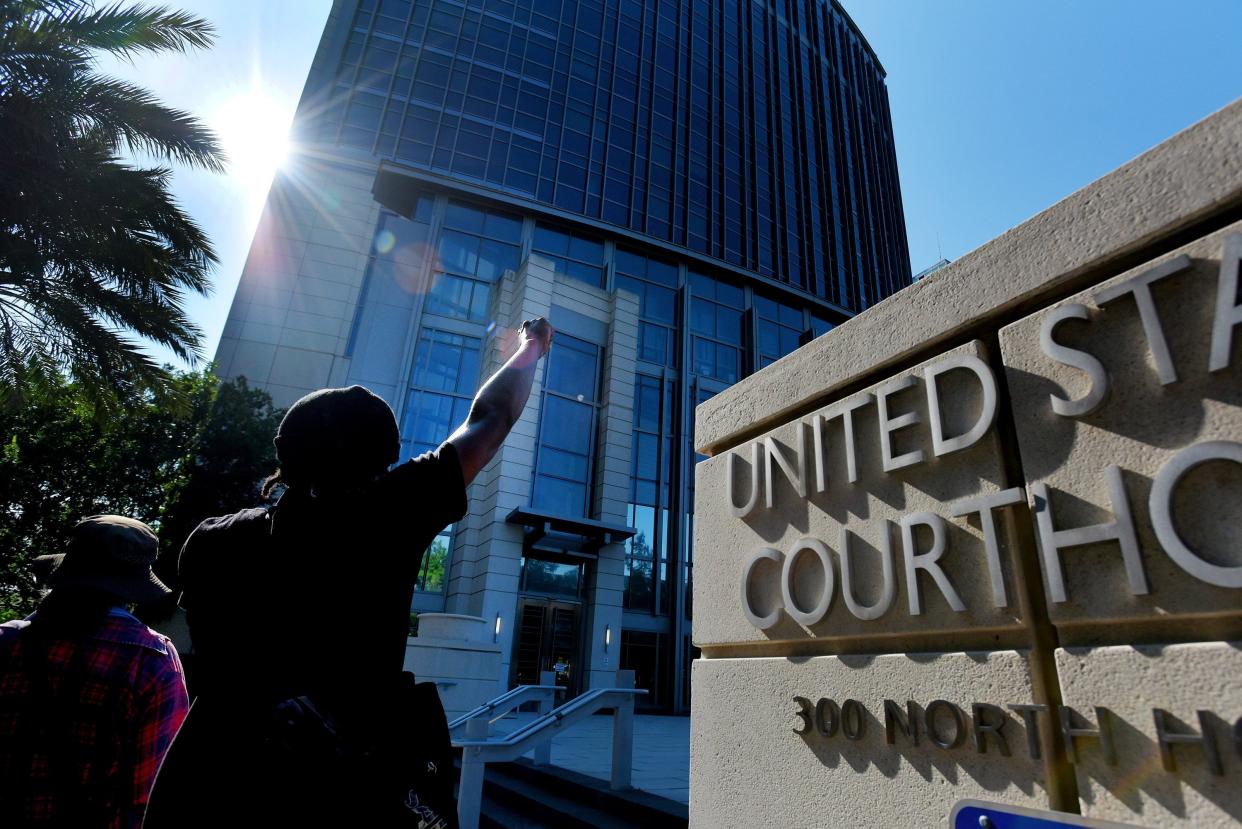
[483,577]
[612,490]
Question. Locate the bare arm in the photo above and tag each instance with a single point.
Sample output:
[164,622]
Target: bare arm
[500,401]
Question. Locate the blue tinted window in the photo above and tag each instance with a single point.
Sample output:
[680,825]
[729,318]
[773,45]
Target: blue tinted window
[455,296]
[570,254]
[503,228]
[560,496]
[573,370]
[558,578]
[458,252]
[460,217]
[654,343]
[446,373]
[550,241]
[660,304]
[567,428]
[568,424]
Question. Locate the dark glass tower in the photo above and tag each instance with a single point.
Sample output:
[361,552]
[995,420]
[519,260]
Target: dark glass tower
[754,133]
[688,189]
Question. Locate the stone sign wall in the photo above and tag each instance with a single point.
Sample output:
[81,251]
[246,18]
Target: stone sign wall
[985,540]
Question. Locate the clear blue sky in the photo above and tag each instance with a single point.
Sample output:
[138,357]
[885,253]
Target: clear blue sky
[1000,109]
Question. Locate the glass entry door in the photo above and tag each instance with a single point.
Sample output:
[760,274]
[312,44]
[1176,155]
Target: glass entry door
[549,639]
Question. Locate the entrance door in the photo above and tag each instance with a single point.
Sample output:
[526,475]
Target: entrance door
[549,639]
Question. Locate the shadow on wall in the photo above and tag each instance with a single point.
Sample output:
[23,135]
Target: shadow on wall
[1116,337]
[1140,775]
[860,740]
[940,740]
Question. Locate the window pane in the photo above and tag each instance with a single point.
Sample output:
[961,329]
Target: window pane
[560,496]
[563,464]
[639,555]
[479,301]
[702,317]
[449,296]
[622,282]
[769,338]
[789,341]
[729,294]
[642,544]
[428,418]
[630,263]
[572,369]
[662,272]
[701,285]
[766,308]
[435,564]
[550,241]
[647,404]
[551,577]
[726,363]
[586,250]
[567,425]
[729,325]
[439,368]
[645,460]
[653,343]
[503,228]
[495,258]
[586,273]
[459,252]
[660,304]
[460,217]
[704,357]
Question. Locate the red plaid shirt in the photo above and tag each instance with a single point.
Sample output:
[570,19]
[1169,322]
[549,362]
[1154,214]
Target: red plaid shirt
[117,699]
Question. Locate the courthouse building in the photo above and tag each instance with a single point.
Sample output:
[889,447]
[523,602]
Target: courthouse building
[688,189]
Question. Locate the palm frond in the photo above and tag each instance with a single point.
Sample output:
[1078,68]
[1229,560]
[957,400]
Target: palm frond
[96,257]
[120,30]
[127,113]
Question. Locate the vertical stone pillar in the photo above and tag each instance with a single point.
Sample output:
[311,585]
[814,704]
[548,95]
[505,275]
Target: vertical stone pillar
[483,577]
[289,324]
[612,490]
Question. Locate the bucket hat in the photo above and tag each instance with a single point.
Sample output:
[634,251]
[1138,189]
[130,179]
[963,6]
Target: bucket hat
[108,552]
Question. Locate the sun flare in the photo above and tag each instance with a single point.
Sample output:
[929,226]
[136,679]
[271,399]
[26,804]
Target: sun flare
[254,130]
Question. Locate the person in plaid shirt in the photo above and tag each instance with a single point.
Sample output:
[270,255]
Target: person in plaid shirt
[90,697]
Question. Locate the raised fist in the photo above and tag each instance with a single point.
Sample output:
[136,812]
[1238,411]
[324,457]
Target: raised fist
[540,331]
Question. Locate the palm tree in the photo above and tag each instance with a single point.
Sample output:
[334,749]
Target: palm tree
[95,255]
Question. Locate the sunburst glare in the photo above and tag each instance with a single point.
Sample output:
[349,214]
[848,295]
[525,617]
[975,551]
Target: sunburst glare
[254,130]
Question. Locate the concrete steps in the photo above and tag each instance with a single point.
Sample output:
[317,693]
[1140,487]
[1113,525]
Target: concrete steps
[521,795]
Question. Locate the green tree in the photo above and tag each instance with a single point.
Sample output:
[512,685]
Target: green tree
[228,456]
[179,452]
[95,255]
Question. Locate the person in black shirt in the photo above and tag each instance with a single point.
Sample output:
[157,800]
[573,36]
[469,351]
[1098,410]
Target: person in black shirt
[311,597]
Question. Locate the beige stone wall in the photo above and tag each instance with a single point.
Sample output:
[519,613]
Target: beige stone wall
[1044,440]
[289,322]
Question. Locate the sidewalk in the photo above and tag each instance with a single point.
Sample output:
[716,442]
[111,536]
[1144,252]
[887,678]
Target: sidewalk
[661,751]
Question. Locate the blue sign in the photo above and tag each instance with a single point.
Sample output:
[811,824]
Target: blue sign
[978,814]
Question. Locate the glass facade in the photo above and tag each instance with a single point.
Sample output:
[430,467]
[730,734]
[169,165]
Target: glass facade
[568,422]
[729,164]
[755,133]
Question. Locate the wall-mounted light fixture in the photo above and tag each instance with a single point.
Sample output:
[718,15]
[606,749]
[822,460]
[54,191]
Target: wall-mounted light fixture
[607,637]
[496,631]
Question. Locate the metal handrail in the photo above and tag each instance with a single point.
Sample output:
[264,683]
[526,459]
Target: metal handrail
[521,740]
[477,749]
[505,703]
